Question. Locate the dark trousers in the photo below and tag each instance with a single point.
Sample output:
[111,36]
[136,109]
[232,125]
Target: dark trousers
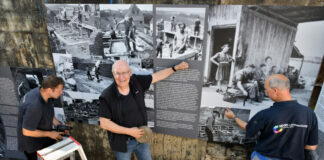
[252,89]
[31,156]
[159,52]
[209,134]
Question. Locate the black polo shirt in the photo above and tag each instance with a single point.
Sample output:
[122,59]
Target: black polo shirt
[132,116]
[286,127]
[34,114]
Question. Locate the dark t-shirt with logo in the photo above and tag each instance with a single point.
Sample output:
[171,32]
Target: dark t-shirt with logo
[286,127]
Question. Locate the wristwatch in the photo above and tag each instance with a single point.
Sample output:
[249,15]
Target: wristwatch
[174,69]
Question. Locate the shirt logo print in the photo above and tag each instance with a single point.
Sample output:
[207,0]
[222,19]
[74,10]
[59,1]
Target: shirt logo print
[276,129]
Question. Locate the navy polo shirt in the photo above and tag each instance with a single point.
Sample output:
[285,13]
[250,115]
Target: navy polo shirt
[34,114]
[286,127]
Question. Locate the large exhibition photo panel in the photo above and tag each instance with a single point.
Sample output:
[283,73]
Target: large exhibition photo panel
[86,40]
[230,49]
[246,44]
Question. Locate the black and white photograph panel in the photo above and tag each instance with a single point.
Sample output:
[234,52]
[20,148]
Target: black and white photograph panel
[180,32]
[127,31]
[74,29]
[215,127]
[85,61]
[59,114]
[84,79]
[245,46]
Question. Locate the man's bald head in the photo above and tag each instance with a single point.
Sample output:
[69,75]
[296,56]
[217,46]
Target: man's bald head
[122,73]
[278,81]
[277,87]
[119,64]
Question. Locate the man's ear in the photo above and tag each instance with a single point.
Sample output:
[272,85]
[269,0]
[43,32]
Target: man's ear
[48,90]
[130,71]
[276,90]
[52,89]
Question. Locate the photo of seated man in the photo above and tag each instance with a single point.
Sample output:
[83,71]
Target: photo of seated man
[245,81]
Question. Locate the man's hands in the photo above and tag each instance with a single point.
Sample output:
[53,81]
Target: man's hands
[55,135]
[229,114]
[55,122]
[111,126]
[165,73]
[136,132]
[181,66]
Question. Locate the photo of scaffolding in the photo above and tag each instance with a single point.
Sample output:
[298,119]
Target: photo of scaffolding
[86,40]
[179,32]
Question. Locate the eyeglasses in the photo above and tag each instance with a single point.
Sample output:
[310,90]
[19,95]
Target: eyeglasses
[121,74]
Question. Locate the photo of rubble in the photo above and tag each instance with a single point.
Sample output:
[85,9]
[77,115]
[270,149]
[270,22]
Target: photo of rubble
[179,32]
[59,114]
[238,63]
[86,40]
[73,28]
[215,127]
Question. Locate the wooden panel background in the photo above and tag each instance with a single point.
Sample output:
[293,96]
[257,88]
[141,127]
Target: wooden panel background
[163,147]
[265,36]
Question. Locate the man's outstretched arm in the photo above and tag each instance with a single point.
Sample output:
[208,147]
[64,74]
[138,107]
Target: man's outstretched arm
[165,73]
[229,114]
[311,147]
[39,133]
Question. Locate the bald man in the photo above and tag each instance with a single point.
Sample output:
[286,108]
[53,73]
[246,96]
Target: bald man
[288,129]
[122,109]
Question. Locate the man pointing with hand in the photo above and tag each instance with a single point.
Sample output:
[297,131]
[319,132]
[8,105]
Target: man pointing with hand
[288,129]
[122,109]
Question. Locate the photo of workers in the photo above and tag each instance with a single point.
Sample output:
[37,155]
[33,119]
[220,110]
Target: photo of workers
[179,32]
[237,63]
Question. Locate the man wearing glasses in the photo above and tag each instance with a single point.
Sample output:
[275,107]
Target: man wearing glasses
[122,109]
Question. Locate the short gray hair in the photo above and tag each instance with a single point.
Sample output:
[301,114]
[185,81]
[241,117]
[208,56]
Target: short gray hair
[275,82]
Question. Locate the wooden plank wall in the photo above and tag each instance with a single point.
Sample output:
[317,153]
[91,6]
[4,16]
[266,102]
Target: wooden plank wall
[221,16]
[95,143]
[265,36]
